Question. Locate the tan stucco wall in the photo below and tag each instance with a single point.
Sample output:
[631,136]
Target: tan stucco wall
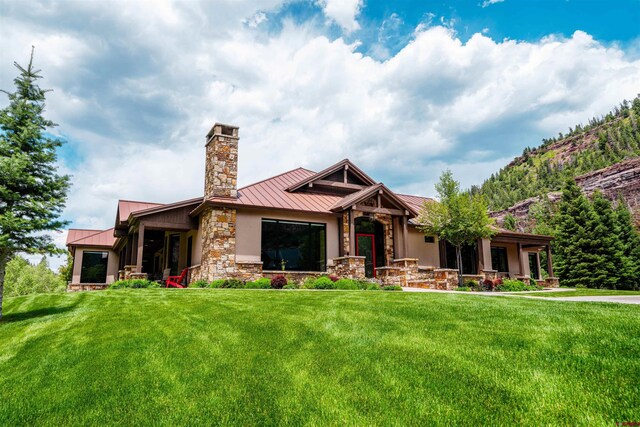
[512,258]
[428,254]
[112,264]
[249,231]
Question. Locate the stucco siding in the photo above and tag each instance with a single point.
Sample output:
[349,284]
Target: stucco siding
[249,231]
[428,254]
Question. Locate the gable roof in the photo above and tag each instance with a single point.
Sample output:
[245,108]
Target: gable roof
[332,169]
[126,207]
[272,193]
[368,192]
[103,239]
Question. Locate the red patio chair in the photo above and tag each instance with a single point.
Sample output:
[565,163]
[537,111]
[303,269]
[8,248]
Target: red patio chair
[176,281]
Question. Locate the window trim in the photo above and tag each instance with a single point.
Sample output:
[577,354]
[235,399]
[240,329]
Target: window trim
[506,257]
[106,269]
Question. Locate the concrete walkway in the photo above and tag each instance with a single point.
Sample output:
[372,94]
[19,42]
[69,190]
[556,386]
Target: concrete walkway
[621,299]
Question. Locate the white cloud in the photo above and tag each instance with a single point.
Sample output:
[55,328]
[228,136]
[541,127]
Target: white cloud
[342,12]
[487,3]
[136,93]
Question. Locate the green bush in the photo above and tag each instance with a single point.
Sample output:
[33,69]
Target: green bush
[324,283]
[233,284]
[509,285]
[346,284]
[464,288]
[392,288]
[472,284]
[199,284]
[291,286]
[263,283]
[134,284]
[217,284]
[370,286]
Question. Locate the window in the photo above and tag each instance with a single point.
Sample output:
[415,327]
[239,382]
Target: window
[499,259]
[469,255]
[302,245]
[429,239]
[533,265]
[94,267]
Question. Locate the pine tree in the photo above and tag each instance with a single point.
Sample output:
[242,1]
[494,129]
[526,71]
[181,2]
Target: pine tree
[630,239]
[608,270]
[32,194]
[574,245]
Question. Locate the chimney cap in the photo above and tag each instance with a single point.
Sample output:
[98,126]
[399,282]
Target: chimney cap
[224,130]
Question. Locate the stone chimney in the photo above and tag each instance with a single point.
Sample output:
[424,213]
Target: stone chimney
[221,169]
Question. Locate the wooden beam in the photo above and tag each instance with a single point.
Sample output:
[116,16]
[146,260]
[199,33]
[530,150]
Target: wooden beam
[539,266]
[140,248]
[370,209]
[520,258]
[352,235]
[549,262]
[405,237]
[169,226]
[336,184]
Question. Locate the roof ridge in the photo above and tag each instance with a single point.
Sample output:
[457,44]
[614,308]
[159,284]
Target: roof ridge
[140,201]
[275,176]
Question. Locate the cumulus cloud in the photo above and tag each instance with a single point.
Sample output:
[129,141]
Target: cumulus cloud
[487,3]
[342,12]
[137,88]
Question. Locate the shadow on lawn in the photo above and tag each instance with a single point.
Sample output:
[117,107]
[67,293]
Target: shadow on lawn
[34,314]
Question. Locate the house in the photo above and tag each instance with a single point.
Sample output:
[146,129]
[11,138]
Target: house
[337,221]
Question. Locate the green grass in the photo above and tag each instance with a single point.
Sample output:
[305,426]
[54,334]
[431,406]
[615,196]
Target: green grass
[584,292]
[239,357]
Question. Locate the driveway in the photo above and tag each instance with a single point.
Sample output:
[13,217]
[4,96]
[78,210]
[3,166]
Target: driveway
[621,299]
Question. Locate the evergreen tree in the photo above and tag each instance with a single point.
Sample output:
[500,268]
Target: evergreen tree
[509,222]
[608,270]
[574,245]
[32,194]
[630,239]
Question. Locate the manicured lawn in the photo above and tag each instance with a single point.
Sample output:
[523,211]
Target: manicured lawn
[202,357]
[583,292]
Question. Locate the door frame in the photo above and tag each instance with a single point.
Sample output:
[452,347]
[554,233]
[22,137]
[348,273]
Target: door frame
[373,248]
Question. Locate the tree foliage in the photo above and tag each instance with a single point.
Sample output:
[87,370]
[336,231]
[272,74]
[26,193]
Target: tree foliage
[459,218]
[595,246]
[23,278]
[32,193]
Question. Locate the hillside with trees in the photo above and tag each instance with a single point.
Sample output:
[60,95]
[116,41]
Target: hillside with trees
[602,143]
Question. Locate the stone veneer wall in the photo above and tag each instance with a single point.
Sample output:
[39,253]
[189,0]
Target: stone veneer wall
[221,168]
[349,267]
[218,244]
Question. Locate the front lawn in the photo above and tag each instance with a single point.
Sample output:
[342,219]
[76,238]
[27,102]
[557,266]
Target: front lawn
[242,357]
[584,292]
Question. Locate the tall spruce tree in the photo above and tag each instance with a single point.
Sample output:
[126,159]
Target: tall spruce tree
[576,254]
[607,272]
[32,194]
[630,239]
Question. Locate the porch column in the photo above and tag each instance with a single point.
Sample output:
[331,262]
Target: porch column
[405,237]
[352,234]
[539,267]
[520,262]
[140,248]
[127,251]
[549,262]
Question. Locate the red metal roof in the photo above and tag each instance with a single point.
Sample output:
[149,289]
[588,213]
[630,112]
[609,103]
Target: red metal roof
[271,193]
[125,207]
[415,202]
[91,238]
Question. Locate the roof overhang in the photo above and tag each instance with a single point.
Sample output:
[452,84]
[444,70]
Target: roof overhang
[353,200]
[344,164]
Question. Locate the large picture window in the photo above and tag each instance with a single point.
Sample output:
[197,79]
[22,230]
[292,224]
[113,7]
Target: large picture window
[94,267]
[499,259]
[302,245]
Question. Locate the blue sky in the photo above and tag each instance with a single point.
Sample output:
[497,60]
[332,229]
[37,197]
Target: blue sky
[405,89]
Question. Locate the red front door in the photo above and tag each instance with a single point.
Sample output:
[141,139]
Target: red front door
[365,246]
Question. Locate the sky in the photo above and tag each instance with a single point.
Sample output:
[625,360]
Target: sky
[405,89]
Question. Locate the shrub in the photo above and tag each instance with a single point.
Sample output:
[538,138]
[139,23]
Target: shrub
[334,278]
[263,283]
[216,284]
[472,284]
[278,282]
[233,284]
[488,285]
[464,288]
[392,288]
[346,284]
[134,284]
[323,283]
[370,286]
[199,284]
[291,286]
[509,285]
